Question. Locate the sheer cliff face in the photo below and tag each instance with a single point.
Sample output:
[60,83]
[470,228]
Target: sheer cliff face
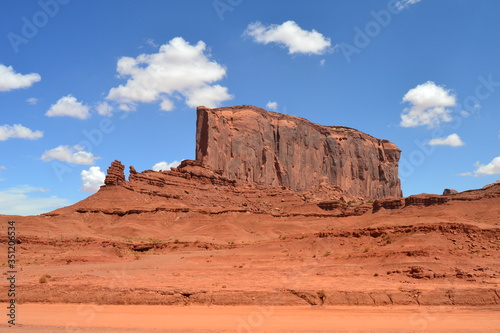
[252,145]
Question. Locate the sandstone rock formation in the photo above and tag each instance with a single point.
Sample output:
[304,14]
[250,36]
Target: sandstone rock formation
[388,203]
[115,175]
[252,145]
[194,188]
[425,199]
[449,191]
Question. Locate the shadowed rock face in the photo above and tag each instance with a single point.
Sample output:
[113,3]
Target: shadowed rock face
[256,146]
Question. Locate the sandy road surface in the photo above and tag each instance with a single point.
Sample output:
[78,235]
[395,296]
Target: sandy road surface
[142,318]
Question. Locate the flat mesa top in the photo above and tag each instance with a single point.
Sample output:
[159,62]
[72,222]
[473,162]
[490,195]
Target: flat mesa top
[266,113]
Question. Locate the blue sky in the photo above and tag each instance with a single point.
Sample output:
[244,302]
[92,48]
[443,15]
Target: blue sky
[85,82]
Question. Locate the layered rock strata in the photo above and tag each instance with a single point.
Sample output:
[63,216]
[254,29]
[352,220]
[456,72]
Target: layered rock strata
[253,145]
[115,174]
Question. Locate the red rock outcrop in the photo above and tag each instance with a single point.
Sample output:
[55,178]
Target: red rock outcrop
[388,203]
[425,199]
[194,188]
[252,145]
[449,191]
[115,175]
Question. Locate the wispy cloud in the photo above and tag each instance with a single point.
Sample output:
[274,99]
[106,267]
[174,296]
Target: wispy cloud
[32,100]
[403,4]
[26,200]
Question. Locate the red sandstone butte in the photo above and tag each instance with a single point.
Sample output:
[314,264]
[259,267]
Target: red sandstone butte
[253,145]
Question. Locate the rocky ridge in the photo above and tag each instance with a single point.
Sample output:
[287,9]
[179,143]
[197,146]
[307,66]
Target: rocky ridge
[192,187]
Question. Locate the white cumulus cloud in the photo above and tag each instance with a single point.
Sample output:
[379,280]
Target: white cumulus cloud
[92,179]
[70,107]
[273,106]
[10,80]
[74,154]
[165,166]
[104,109]
[18,131]
[429,105]
[289,35]
[178,69]
[451,140]
[491,168]
[23,200]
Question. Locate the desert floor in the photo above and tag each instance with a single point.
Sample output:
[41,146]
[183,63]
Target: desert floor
[144,318]
[417,269]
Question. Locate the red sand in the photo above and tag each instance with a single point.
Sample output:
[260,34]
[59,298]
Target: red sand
[176,270]
[143,318]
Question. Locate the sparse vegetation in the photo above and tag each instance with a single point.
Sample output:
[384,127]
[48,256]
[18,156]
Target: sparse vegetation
[366,249]
[321,294]
[128,239]
[489,234]
[387,238]
[44,278]
[326,254]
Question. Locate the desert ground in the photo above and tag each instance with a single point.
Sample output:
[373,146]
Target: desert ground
[190,271]
[47,318]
